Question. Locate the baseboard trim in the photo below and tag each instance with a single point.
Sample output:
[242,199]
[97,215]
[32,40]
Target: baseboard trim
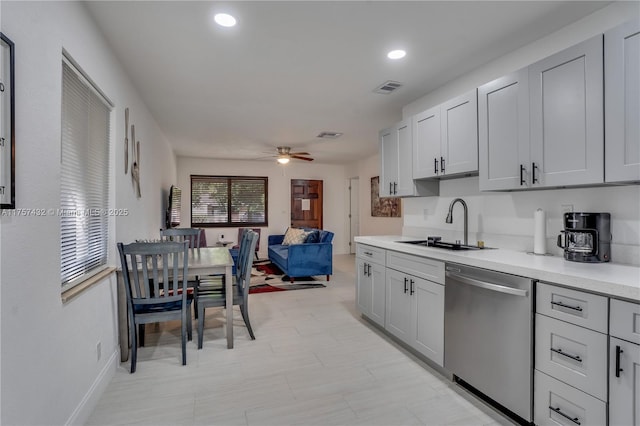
[84,409]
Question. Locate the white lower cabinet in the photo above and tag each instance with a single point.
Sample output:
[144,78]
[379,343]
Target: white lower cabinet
[556,403]
[370,285]
[624,364]
[398,320]
[415,305]
[570,378]
[573,354]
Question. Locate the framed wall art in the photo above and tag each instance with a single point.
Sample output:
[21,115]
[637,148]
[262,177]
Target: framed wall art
[383,207]
[7,124]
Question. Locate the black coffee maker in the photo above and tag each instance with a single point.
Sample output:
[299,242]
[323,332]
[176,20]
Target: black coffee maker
[586,237]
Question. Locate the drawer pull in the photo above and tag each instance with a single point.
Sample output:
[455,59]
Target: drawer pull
[368,253]
[557,410]
[573,357]
[562,305]
[618,352]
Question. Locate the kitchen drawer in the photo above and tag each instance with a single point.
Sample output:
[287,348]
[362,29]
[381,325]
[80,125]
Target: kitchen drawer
[556,403]
[577,307]
[370,253]
[429,269]
[625,320]
[575,355]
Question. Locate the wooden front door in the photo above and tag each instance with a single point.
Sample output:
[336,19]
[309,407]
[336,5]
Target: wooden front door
[306,203]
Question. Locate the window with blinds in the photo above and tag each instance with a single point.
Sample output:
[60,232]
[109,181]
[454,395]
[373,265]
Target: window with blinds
[228,201]
[84,180]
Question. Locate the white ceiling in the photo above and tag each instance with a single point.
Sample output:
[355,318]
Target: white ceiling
[290,70]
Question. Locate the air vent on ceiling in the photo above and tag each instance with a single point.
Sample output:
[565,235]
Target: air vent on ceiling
[387,87]
[329,135]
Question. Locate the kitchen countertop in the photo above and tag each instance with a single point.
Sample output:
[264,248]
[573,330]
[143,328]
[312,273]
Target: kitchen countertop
[610,279]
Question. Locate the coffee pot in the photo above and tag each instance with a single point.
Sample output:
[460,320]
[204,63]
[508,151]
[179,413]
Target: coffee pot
[586,237]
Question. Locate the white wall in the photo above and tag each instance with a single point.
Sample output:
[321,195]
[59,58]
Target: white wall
[335,210]
[506,219]
[50,373]
[366,169]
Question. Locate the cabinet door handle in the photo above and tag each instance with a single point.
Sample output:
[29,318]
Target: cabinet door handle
[534,179]
[405,285]
[435,166]
[390,188]
[441,164]
[557,410]
[522,175]
[395,188]
[562,305]
[618,352]
[411,287]
[369,269]
[561,352]
[364,269]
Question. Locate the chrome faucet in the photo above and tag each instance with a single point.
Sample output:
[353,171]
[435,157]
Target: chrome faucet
[449,218]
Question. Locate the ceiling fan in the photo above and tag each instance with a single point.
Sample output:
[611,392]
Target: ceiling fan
[285,155]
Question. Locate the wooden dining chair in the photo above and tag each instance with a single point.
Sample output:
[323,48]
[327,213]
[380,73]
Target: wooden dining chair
[193,237]
[210,292]
[152,275]
[241,231]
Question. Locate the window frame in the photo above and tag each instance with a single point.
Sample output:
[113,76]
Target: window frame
[229,181]
[78,273]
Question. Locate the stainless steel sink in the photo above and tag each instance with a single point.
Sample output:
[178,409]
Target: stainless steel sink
[444,245]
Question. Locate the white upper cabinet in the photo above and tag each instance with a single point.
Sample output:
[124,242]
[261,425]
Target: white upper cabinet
[622,102]
[503,132]
[459,138]
[445,139]
[389,161]
[426,144]
[396,164]
[567,117]
[405,164]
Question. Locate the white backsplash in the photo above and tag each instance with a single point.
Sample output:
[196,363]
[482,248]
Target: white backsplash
[505,219]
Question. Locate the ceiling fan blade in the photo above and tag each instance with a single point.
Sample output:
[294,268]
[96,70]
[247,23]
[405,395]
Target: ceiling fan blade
[302,158]
[299,153]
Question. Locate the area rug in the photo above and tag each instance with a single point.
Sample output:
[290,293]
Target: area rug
[267,277]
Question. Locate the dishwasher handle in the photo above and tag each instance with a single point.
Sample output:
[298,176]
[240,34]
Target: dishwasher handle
[488,286]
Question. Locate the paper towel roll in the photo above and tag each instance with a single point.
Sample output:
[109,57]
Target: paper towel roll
[539,232]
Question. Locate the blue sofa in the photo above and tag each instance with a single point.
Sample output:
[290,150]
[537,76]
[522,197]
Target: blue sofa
[306,259]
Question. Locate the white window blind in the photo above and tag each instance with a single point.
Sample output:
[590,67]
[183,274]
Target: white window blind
[228,201]
[84,181]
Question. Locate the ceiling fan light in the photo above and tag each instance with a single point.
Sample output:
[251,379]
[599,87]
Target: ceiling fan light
[283,160]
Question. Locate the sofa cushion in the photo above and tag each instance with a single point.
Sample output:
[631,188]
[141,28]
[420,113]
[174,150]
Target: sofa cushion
[279,254]
[326,236]
[294,236]
[313,236]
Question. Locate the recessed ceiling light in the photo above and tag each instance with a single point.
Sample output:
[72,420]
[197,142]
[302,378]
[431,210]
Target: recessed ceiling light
[225,20]
[396,54]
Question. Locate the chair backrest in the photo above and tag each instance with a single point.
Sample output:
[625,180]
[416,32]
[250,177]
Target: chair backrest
[245,260]
[256,230]
[191,235]
[152,272]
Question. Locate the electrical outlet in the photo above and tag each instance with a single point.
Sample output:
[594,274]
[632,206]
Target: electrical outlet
[566,208]
[99,350]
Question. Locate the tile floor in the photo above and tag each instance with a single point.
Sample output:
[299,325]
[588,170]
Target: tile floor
[314,362]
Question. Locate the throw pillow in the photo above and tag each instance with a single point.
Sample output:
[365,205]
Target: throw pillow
[313,237]
[294,236]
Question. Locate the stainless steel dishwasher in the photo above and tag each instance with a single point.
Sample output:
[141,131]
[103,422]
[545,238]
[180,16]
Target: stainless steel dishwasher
[488,322]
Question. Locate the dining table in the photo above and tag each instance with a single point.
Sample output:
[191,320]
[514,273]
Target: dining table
[202,262]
